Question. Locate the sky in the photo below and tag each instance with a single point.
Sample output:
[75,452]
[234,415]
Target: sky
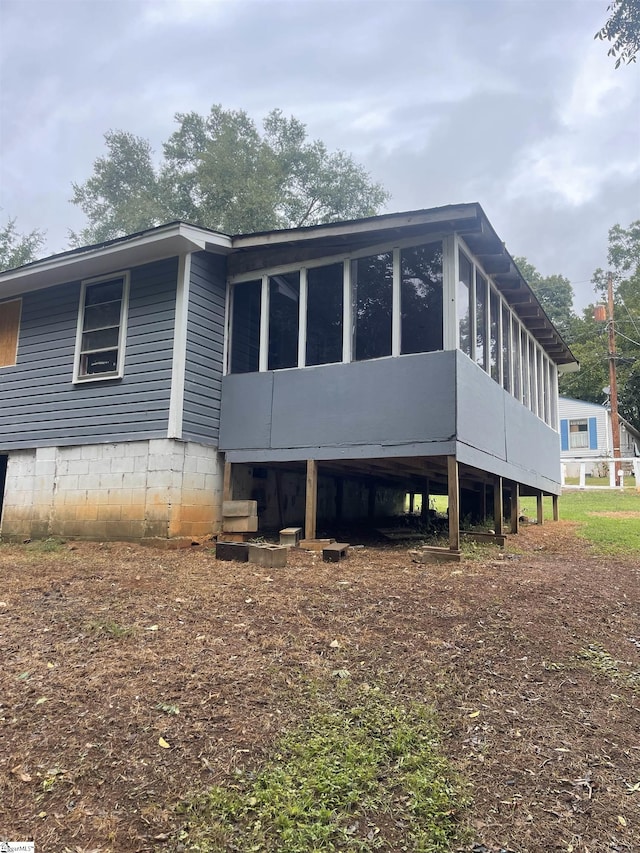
[509,103]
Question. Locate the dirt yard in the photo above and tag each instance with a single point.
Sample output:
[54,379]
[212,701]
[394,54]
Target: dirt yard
[532,658]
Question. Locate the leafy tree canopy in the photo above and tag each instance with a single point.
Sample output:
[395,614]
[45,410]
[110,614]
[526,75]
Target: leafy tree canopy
[554,293]
[622,30]
[589,338]
[220,171]
[17,249]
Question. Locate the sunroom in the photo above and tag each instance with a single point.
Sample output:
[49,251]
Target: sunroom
[395,355]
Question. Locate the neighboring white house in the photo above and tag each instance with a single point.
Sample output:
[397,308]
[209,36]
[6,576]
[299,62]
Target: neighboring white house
[585,432]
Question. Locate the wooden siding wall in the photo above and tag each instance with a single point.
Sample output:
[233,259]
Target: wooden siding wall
[569,410]
[205,337]
[40,404]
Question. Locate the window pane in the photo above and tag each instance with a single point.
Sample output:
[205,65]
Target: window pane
[494,321]
[102,362]
[372,288]
[540,383]
[553,400]
[515,354]
[506,349]
[481,319]
[324,314]
[533,405]
[104,339]
[284,301]
[463,295]
[578,433]
[524,346]
[547,387]
[245,327]
[102,316]
[106,291]
[421,298]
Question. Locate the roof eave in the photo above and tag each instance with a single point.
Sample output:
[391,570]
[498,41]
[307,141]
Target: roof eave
[145,247]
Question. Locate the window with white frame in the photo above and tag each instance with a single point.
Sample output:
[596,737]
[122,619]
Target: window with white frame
[102,323]
[421,298]
[579,433]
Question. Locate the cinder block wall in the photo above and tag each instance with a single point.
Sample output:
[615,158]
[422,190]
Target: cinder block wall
[128,490]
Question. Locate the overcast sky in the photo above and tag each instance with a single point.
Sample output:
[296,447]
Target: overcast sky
[510,103]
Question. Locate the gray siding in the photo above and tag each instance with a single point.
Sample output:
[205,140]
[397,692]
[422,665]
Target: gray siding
[431,404]
[205,336]
[41,406]
[497,433]
[387,407]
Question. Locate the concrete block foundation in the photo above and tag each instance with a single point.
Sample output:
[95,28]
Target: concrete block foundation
[158,488]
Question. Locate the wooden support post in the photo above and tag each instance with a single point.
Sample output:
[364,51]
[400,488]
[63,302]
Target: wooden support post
[424,508]
[498,507]
[311,503]
[454,503]
[227,484]
[513,514]
[540,508]
[411,502]
[554,501]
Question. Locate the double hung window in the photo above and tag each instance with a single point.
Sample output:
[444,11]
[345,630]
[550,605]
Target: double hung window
[101,332]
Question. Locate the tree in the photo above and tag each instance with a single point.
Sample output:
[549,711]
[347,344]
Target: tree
[220,171]
[590,339]
[18,249]
[623,30]
[554,293]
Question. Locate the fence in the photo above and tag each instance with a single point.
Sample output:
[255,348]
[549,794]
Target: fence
[605,470]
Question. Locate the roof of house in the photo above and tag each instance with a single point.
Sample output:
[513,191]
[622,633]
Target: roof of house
[252,251]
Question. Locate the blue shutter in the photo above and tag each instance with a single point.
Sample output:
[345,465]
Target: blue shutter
[593,434]
[564,434]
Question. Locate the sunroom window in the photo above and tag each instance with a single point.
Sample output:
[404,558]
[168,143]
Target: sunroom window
[421,298]
[463,303]
[325,287]
[102,328]
[245,325]
[372,289]
[284,302]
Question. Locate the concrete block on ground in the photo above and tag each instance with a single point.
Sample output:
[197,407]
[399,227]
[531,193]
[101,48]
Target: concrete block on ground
[247,524]
[238,551]
[335,552]
[239,509]
[233,537]
[268,556]
[315,544]
[290,536]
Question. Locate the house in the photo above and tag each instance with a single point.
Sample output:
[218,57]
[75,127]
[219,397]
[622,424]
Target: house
[585,434]
[324,372]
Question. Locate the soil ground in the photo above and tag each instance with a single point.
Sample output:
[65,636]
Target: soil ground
[101,645]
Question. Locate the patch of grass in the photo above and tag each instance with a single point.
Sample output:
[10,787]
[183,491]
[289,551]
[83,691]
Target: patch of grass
[363,773]
[598,658]
[108,626]
[614,532]
[46,546]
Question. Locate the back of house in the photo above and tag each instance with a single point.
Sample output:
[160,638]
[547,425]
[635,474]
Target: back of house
[146,379]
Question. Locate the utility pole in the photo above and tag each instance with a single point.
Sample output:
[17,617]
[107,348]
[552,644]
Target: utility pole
[613,387]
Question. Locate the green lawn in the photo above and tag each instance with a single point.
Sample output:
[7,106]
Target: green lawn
[608,519]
